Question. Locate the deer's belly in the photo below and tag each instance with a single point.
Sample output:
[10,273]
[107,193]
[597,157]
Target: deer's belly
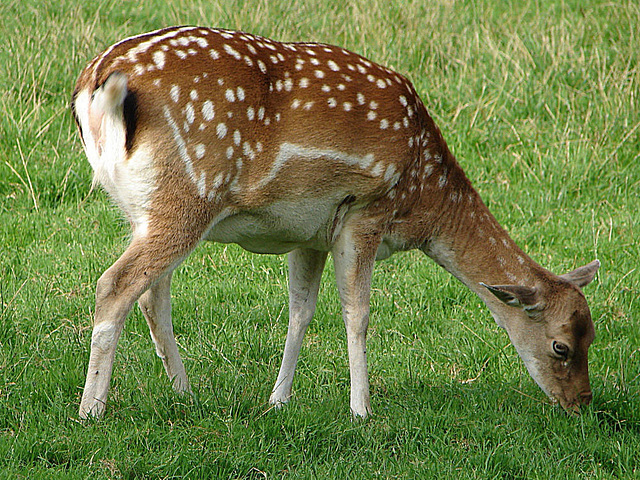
[283,226]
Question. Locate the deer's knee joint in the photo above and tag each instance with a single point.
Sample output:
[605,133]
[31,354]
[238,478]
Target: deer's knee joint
[104,336]
[105,286]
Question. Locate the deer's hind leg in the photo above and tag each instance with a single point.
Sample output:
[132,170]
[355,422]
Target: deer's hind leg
[155,304]
[147,263]
[305,273]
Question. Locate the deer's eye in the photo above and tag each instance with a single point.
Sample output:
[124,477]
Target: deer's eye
[560,349]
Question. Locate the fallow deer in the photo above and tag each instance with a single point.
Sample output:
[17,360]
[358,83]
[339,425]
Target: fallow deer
[306,148]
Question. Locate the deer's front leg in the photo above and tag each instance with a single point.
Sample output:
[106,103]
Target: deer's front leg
[155,304]
[305,273]
[353,259]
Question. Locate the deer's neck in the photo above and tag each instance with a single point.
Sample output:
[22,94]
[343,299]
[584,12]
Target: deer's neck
[454,227]
[475,248]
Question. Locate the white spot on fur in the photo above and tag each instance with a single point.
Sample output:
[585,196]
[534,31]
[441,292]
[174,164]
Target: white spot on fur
[159,59]
[207,111]
[288,84]
[231,51]
[442,181]
[175,93]
[377,169]
[388,174]
[248,151]
[190,113]
[200,150]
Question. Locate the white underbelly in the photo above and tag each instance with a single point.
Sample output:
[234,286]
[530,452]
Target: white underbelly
[283,226]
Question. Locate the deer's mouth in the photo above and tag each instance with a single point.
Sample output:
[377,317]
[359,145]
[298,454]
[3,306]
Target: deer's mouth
[572,405]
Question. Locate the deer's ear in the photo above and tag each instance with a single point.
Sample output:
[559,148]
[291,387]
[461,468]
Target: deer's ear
[582,276]
[519,296]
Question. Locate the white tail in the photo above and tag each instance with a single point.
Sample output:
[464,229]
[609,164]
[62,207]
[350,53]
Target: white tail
[203,134]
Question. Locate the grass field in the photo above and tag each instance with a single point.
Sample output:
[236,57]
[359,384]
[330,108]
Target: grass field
[539,101]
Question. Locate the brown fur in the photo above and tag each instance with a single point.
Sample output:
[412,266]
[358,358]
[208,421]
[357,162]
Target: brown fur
[246,136]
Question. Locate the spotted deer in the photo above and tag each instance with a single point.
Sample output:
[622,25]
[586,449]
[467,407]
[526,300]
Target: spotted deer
[306,148]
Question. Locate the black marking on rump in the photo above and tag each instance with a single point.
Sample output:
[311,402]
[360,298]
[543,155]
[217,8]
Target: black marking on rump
[130,114]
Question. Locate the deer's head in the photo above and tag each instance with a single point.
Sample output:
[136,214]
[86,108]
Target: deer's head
[551,328]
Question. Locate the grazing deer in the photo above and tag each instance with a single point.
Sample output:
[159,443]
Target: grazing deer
[206,134]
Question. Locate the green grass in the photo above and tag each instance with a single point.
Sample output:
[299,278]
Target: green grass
[539,100]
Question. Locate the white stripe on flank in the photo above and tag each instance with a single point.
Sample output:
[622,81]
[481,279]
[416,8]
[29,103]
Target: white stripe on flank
[182,146]
[290,150]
